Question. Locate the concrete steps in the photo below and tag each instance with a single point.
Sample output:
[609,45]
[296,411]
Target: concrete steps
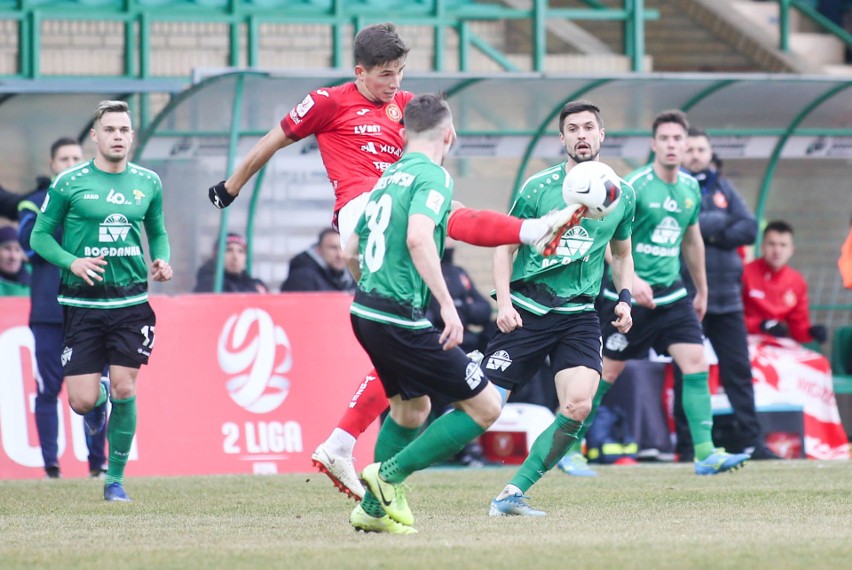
[821,50]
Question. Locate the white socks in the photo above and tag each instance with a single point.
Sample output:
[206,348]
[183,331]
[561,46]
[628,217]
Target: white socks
[340,443]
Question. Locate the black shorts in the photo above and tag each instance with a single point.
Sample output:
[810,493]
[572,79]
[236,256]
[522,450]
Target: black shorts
[570,340]
[412,363]
[652,328]
[96,337]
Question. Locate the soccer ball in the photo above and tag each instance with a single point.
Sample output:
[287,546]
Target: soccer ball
[594,185]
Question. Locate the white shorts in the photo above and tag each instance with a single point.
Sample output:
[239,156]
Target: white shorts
[348,216]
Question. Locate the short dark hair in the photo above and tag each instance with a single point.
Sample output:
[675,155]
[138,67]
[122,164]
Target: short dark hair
[379,44]
[573,107]
[696,132]
[325,232]
[778,226]
[672,116]
[425,112]
[59,143]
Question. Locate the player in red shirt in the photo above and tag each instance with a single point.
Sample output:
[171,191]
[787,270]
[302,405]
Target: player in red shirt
[359,132]
[774,294]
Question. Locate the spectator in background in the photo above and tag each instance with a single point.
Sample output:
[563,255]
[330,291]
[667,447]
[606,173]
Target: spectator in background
[236,279]
[726,224]
[46,323]
[9,204]
[14,275]
[320,267]
[776,295]
[474,309]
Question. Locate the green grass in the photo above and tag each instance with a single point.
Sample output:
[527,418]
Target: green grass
[791,514]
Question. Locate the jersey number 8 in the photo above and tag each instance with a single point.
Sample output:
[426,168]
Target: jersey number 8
[378,215]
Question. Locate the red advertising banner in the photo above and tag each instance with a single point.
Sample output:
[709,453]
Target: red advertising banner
[236,384]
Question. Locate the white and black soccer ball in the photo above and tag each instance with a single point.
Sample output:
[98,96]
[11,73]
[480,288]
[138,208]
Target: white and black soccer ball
[594,185]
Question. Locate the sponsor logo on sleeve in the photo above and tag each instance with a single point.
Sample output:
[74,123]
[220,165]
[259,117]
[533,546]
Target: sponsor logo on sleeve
[434,201]
[305,106]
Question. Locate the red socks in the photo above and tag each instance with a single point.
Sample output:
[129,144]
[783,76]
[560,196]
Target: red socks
[368,402]
[484,227]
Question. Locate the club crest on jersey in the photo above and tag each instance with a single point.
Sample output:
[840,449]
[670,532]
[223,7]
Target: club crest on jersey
[575,243]
[113,229]
[500,360]
[138,195]
[393,112]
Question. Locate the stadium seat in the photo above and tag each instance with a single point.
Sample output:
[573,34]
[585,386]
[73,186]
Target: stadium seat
[841,360]
[841,351]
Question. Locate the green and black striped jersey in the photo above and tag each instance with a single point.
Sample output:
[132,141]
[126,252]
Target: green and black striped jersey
[102,214]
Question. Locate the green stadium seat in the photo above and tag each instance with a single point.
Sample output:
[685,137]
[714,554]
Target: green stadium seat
[841,351]
[841,360]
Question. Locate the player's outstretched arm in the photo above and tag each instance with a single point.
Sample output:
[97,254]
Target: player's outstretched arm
[622,278]
[223,193]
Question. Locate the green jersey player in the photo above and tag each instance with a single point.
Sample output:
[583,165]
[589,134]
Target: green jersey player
[546,305]
[400,238]
[667,206]
[101,206]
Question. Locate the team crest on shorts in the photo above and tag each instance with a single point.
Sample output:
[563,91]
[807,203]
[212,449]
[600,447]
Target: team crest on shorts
[393,112]
[66,355]
[473,375]
[499,361]
[616,342]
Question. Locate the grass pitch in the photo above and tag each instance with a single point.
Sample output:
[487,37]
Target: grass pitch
[779,514]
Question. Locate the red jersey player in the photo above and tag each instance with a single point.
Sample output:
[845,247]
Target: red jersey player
[775,296]
[359,133]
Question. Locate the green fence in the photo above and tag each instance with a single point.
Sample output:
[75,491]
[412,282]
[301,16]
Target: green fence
[244,17]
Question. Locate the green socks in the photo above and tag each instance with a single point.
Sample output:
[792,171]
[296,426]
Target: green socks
[122,428]
[392,439]
[603,388]
[445,437]
[696,407]
[547,450]
[102,397]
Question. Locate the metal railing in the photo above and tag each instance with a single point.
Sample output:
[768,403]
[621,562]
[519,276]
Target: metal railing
[811,13]
[246,16]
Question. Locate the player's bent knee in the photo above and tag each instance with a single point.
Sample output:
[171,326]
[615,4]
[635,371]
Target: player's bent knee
[577,410]
[485,407]
[80,405]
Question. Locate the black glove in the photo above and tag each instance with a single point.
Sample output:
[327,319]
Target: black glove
[818,333]
[219,196]
[775,328]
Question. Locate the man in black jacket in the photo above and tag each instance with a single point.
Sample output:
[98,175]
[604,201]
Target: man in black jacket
[236,278]
[320,267]
[726,224]
[46,322]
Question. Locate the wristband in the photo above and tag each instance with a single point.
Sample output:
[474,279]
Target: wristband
[624,296]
